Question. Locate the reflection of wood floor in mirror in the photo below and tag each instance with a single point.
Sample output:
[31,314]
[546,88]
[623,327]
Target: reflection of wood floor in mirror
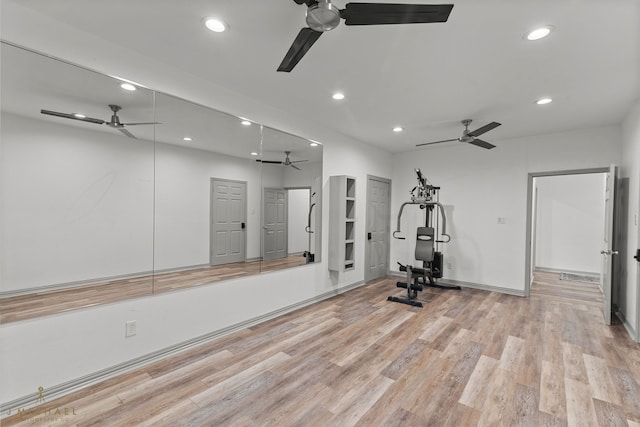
[39,304]
[468,358]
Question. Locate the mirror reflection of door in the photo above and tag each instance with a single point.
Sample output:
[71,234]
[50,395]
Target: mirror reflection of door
[228,219]
[275,224]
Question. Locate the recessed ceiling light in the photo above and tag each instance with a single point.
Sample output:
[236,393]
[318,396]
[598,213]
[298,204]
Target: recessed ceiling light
[215,25]
[254,153]
[544,101]
[313,144]
[538,33]
[245,123]
[186,138]
[128,86]
[80,116]
[398,129]
[338,96]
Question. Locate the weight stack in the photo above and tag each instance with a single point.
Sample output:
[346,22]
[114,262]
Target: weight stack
[438,261]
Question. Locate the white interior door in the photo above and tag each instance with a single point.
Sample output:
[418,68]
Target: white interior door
[608,252]
[275,224]
[378,213]
[228,221]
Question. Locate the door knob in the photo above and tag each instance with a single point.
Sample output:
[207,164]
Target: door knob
[609,252]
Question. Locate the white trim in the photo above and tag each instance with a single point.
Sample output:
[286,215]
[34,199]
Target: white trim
[489,288]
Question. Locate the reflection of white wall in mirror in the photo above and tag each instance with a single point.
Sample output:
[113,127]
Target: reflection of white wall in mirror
[182,203]
[298,215]
[77,204]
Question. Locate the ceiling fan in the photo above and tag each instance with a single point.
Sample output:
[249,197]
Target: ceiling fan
[286,162]
[323,16]
[114,122]
[470,136]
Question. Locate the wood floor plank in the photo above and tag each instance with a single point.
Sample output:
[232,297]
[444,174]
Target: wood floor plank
[466,358]
[602,386]
[475,391]
[512,355]
[573,362]
[552,391]
[499,405]
[608,414]
[580,409]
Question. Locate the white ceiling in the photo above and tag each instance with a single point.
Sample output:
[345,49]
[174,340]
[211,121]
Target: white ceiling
[423,77]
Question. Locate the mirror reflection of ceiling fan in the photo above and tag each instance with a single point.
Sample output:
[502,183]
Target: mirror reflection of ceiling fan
[323,16]
[470,136]
[285,162]
[114,122]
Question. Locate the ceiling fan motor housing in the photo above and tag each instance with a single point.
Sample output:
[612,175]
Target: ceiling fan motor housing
[323,16]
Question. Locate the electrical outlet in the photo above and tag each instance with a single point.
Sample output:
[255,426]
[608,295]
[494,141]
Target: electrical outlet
[130,328]
[448,266]
[502,220]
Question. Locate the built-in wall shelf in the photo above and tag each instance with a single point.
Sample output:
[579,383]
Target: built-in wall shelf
[342,222]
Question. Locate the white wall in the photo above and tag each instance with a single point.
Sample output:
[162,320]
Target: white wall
[79,205]
[570,222]
[73,199]
[629,292]
[479,186]
[298,210]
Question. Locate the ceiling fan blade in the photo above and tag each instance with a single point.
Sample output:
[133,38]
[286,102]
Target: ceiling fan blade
[303,42]
[72,117]
[126,132]
[295,167]
[274,162]
[483,129]
[481,143]
[298,161]
[141,123]
[387,13]
[437,142]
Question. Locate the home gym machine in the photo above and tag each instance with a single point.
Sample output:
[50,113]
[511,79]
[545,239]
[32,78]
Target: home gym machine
[428,238]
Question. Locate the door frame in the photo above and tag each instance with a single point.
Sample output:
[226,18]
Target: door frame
[367,253]
[212,215]
[637,331]
[529,229]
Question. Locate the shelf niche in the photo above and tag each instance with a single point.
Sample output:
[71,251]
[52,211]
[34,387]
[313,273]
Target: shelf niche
[342,223]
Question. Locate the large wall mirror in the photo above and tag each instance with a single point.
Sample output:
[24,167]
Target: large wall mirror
[109,194]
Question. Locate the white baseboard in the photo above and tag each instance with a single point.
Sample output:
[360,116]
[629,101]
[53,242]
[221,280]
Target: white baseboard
[490,288]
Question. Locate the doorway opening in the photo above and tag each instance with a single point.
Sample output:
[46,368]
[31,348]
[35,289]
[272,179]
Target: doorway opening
[569,227]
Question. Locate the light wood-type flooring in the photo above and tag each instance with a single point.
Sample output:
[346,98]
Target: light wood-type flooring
[46,303]
[548,285]
[467,358]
